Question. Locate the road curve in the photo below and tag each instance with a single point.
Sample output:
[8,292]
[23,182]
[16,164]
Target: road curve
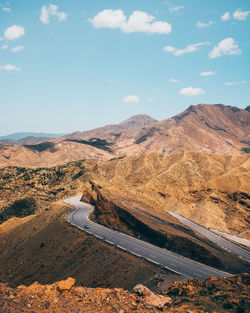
[176,263]
[222,242]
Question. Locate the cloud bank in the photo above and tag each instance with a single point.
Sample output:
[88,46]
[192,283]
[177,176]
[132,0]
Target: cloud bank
[138,21]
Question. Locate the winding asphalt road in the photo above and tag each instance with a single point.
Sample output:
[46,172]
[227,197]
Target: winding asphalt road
[176,263]
[243,241]
[223,243]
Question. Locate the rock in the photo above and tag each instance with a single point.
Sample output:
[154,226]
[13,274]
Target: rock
[142,290]
[157,301]
[67,284]
[35,287]
[148,307]
[214,278]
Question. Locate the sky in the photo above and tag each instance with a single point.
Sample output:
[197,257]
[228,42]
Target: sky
[80,64]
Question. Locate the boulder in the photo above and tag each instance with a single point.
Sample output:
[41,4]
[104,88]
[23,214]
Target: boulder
[157,301]
[65,285]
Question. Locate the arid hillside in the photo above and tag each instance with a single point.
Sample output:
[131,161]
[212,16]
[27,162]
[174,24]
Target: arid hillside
[37,244]
[210,189]
[49,153]
[202,128]
[131,194]
[207,128]
[28,152]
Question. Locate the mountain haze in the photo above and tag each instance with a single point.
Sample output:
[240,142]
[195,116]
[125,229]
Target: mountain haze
[18,136]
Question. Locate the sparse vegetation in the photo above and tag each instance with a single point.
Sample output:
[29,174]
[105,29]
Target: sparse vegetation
[245,150]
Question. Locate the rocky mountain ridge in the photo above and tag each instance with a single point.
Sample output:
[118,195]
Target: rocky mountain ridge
[205,128]
[133,123]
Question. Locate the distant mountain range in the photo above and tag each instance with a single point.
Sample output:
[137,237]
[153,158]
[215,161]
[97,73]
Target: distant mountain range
[134,123]
[207,128]
[18,136]
[20,139]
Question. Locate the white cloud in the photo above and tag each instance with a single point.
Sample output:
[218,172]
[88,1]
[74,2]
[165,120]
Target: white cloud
[131,99]
[110,81]
[138,21]
[4,47]
[203,25]
[241,15]
[6,9]
[190,91]
[1,38]
[173,80]
[10,67]
[243,82]
[176,8]
[109,19]
[227,46]
[226,16]
[14,32]
[44,17]
[207,73]
[188,49]
[17,48]
[237,15]
[51,10]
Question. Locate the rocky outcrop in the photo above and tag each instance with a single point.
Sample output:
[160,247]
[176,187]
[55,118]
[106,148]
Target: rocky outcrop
[218,295]
[62,296]
[150,298]
[229,294]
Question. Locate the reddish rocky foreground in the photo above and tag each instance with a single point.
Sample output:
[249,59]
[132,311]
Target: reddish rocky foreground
[212,295]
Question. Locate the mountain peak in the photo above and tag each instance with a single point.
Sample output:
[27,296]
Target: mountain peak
[140,120]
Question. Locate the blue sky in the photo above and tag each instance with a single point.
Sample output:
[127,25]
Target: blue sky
[76,65]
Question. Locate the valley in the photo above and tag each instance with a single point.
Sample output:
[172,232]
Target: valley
[130,195]
[138,191]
